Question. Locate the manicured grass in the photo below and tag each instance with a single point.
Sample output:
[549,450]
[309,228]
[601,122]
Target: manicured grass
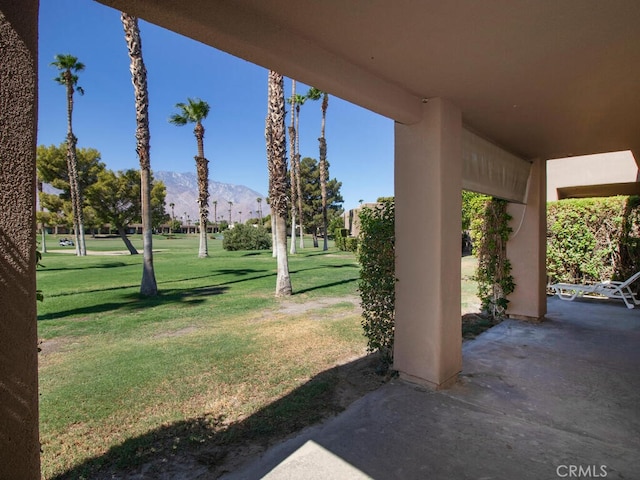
[215,359]
[470,301]
[214,344]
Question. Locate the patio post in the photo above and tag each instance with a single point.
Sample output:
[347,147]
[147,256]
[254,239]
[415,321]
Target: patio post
[19,444]
[526,249]
[428,183]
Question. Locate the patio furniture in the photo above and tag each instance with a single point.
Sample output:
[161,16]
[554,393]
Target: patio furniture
[609,289]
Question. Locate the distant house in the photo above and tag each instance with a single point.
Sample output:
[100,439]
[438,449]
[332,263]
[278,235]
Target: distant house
[600,175]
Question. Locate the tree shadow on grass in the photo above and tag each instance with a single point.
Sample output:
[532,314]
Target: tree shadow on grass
[224,271]
[322,267]
[87,266]
[212,445]
[326,285]
[133,302]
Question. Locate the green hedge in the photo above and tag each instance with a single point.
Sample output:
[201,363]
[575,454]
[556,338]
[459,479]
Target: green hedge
[376,255]
[344,242]
[594,239]
[246,237]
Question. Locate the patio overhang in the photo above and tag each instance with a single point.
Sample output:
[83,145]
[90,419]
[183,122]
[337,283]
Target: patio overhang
[541,79]
[536,79]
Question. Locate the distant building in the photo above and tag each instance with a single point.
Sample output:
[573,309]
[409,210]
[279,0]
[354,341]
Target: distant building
[600,175]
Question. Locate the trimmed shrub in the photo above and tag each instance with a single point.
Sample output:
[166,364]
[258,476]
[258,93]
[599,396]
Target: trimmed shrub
[351,244]
[376,254]
[593,239]
[340,237]
[246,237]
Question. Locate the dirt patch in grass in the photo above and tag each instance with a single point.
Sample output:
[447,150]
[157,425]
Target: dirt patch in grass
[50,346]
[290,307]
[177,333]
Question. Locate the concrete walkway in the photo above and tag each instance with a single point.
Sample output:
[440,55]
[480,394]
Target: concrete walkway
[556,400]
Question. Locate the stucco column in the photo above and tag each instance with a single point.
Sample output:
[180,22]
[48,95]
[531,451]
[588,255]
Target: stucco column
[19,445]
[526,249]
[428,184]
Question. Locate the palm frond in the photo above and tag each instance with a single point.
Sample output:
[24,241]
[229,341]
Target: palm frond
[194,111]
[177,119]
[314,93]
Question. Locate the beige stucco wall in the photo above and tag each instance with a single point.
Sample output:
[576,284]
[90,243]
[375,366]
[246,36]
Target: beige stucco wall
[526,249]
[600,169]
[19,446]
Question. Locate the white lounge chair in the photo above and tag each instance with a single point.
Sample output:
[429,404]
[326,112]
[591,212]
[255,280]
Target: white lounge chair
[609,289]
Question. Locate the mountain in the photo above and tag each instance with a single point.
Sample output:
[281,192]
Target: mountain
[182,190]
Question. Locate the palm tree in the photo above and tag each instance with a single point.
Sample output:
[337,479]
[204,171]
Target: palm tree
[68,64]
[230,205]
[297,100]
[148,285]
[173,216]
[292,171]
[315,94]
[215,212]
[259,200]
[274,243]
[277,164]
[194,111]
[43,246]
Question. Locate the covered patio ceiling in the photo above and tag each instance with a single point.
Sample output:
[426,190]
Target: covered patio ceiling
[542,78]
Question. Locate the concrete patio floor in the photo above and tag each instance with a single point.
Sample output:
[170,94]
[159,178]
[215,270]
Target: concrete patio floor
[560,399]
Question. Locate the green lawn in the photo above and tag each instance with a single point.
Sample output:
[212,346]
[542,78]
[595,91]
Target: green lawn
[215,359]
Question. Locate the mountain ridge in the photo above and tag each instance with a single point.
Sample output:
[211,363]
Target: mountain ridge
[182,191]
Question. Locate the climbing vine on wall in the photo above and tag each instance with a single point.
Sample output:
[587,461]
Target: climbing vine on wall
[491,232]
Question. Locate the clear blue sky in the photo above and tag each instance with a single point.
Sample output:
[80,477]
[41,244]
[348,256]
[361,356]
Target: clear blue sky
[360,143]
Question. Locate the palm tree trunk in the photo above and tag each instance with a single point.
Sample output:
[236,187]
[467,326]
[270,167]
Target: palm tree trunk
[276,151]
[127,242]
[148,285]
[72,167]
[76,196]
[323,188]
[283,281]
[324,174]
[43,241]
[274,237]
[202,168]
[296,165]
[292,170]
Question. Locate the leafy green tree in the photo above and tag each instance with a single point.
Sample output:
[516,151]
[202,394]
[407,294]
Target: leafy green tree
[148,285]
[195,111]
[312,198]
[175,225]
[115,197]
[68,65]
[54,210]
[52,168]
